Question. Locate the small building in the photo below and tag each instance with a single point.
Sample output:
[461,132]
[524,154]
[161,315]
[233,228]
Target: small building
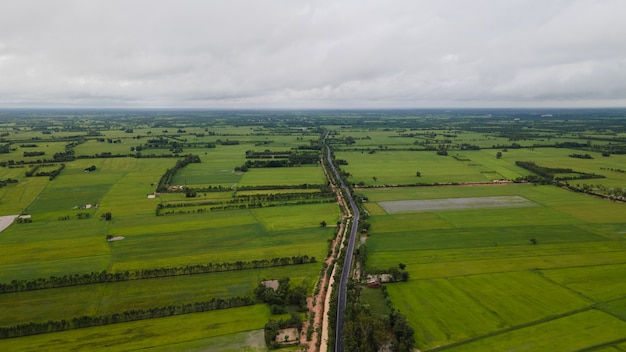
[373,284]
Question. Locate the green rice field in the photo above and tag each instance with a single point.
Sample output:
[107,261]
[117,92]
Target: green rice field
[499,256]
[476,279]
[68,234]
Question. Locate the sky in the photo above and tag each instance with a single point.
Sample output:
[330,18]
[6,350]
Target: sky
[312,54]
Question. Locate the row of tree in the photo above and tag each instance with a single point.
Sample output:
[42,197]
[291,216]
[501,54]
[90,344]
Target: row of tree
[6,181]
[220,188]
[36,153]
[104,276]
[365,330]
[166,179]
[279,160]
[251,198]
[250,206]
[51,174]
[580,156]
[547,174]
[85,321]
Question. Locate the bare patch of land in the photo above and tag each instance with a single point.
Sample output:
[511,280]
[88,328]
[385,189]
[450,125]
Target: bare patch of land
[405,206]
[116,238]
[289,335]
[6,221]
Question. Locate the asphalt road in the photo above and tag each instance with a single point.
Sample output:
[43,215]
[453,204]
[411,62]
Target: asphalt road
[347,263]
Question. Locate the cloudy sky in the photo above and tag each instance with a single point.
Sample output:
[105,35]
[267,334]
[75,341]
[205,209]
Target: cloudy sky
[312,54]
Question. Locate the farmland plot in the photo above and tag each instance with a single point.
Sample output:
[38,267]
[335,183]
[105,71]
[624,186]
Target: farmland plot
[480,262]
[402,206]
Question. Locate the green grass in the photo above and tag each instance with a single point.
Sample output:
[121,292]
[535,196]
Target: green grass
[475,279]
[296,217]
[520,297]
[277,191]
[528,252]
[375,298]
[471,237]
[474,272]
[446,311]
[93,147]
[63,266]
[220,245]
[441,313]
[399,167]
[247,341]
[287,176]
[215,169]
[571,333]
[116,297]
[616,308]
[600,283]
[189,332]
[16,198]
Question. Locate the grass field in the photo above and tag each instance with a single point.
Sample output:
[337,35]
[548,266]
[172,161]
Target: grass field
[215,169]
[109,298]
[400,167]
[571,333]
[190,332]
[284,176]
[476,280]
[58,242]
[474,274]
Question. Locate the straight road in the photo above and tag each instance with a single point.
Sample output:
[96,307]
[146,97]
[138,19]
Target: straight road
[347,263]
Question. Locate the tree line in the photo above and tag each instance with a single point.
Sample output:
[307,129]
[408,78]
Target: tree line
[6,181]
[104,276]
[36,153]
[366,331]
[166,179]
[51,174]
[547,174]
[220,188]
[252,198]
[263,160]
[225,206]
[34,328]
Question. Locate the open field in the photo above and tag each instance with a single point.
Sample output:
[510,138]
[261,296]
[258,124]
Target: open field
[492,265]
[474,272]
[400,167]
[67,233]
[570,333]
[117,297]
[403,206]
[190,332]
[217,167]
[596,282]
[281,176]
[481,304]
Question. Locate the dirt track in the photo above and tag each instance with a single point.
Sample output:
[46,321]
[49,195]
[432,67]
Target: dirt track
[322,299]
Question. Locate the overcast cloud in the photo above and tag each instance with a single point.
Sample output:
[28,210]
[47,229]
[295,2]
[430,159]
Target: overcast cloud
[313,54]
